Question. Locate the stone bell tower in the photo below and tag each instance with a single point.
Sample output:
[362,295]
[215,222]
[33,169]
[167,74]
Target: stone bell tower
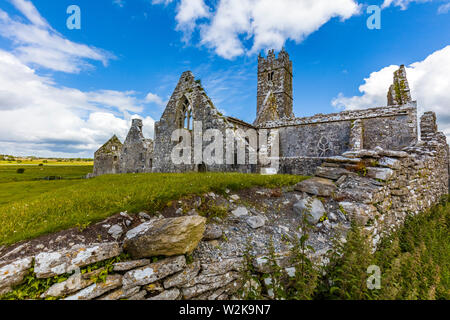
[274,99]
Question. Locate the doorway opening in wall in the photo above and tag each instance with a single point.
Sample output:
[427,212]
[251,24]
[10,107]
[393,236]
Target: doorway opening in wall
[201,167]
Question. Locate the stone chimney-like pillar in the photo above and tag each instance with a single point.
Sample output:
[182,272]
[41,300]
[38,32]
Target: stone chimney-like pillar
[399,92]
[428,125]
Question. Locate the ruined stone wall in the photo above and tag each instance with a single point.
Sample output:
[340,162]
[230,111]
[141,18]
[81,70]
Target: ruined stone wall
[376,188]
[106,158]
[380,188]
[137,152]
[321,136]
[204,113]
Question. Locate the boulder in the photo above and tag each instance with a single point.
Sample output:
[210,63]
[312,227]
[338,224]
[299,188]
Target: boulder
[221,267]
[392,153]
[128,265]
[311,207]
[179,279]
[153,272]
[256,222]
[240,212]
[49,264]
[332,173]
[121,293]
[138,296]
[359,212]
[235,197]
[317,186]
[75,283]
[13,273]
[204,283]
[212,232]
[361,154]
[97,289]
[359,189]
[380,173]
[390,163]
[172,294]
[115,231]
[166,237]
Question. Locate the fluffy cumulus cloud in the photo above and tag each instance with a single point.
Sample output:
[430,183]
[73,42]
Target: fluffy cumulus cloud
[428,80]
[37,43]
[39,117]
[225,26]
[49,119]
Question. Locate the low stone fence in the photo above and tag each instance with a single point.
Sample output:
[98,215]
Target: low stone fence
[380,188]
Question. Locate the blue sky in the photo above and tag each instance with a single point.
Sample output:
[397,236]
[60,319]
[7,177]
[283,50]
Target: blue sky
[84,85]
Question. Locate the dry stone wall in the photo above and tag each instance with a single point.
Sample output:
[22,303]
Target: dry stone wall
[379,188]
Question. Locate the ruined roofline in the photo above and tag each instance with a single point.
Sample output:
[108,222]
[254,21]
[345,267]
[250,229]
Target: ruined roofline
[377,112]
[239,121]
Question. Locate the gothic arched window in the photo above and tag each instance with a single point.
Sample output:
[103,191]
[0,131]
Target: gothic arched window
[186,116]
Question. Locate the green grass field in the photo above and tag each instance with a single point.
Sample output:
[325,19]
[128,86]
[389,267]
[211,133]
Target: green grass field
[8,173]
[42,207]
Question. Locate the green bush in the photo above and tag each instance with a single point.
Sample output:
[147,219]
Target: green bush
[20,170]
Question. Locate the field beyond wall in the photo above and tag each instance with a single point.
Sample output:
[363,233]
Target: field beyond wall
[30,207]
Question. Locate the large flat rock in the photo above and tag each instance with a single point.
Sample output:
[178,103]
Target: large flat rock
[12,274]
[153,272]
[165,237]
[317,186]
[49,264]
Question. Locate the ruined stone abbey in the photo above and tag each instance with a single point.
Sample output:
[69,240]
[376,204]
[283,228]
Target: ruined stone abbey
[304,143]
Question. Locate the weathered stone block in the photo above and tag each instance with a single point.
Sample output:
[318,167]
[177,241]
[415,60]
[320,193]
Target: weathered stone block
[167,237]
[97,289]
[153,272]
[317,186]
[49,264]
[312,208]
[12,274]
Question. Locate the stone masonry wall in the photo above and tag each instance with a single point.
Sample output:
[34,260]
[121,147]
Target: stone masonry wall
[376,188]
[323,136]
[380,188]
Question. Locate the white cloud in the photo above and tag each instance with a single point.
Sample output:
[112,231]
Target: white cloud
[39,44]
[265,23]
[403,4]
[154,98]
[444,8]
[52,120]
[428,80]
[189,11]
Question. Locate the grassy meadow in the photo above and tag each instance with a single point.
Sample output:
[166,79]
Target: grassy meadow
[41,207]
[8,173]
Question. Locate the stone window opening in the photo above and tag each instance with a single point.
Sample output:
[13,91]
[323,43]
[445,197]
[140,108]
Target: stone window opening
[113,148]
[270,76]
[186,118]
[115,158]
[141,155]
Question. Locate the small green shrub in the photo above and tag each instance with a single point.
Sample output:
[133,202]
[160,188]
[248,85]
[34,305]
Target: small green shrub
[20,170]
